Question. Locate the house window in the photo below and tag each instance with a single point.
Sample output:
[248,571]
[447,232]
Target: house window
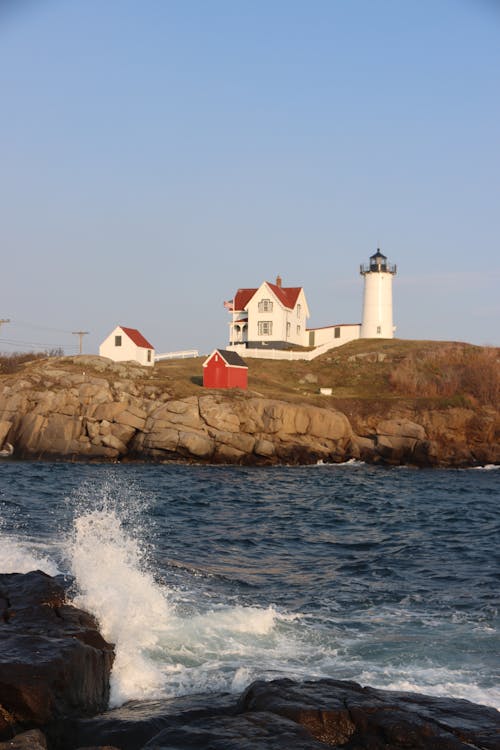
[298,330]
[299,310]
[336,332]
[149,355]
[118,340]
[379,329]
[288,330]
[265,327]
[266,305]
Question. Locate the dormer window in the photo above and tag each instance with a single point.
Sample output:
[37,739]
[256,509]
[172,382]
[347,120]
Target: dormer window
[266,305]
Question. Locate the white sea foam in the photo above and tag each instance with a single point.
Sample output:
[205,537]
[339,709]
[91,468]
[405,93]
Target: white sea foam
[486,467]
[437,681]
[349,462]
[17,557]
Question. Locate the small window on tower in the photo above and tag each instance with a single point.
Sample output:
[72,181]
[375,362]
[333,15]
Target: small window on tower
[149,355]
[118,340]
[379,329]
[336,332]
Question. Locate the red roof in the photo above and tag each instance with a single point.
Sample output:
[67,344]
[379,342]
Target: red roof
[243,297]
[286,295]
[137,337]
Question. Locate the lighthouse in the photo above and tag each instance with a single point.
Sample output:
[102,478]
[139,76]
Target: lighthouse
[377,298]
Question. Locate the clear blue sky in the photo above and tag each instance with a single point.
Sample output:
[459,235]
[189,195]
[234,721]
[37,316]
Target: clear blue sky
[158,154]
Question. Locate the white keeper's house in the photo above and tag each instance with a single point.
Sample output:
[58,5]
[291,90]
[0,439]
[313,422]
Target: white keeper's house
[128,344]
[272,318]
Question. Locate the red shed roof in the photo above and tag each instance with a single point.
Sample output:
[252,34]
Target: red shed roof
[137,337]
[232,359]
[286,295]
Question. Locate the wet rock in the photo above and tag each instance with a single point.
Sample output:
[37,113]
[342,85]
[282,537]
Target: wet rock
[132,725]
[32,740]
[344,714]
[256,731]
[53,661]
[286,715]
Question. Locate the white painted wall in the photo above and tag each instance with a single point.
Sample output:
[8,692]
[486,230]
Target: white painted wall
[327,335]
[128,351]
[377,306]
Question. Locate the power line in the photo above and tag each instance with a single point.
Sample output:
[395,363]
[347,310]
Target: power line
[19,342]
[38,326]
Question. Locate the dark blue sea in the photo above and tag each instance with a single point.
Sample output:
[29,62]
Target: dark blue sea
[207,577]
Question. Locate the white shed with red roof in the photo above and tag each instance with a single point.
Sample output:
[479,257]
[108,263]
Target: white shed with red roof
[128,344]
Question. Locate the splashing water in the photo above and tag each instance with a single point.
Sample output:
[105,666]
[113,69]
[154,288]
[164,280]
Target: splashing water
[129,606]
[158,652]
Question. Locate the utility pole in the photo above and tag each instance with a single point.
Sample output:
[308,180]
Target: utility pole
[80,334]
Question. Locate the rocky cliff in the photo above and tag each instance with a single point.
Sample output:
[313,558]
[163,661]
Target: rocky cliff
[91,408]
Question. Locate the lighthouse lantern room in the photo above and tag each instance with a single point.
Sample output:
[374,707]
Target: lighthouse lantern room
[377,298]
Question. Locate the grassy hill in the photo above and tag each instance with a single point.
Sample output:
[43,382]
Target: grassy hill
[364,375]
[366,370]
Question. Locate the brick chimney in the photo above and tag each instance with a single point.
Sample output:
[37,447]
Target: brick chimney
[278,281]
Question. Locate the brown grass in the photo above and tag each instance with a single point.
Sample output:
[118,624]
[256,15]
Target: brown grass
[13,362]
[450,371]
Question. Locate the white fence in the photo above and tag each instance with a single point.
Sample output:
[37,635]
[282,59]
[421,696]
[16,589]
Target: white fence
[285,354]
[177,355]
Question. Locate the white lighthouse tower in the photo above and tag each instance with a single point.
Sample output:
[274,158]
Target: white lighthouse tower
[377,298]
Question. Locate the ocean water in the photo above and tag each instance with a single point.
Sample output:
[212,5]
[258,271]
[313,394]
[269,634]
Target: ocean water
[208,577]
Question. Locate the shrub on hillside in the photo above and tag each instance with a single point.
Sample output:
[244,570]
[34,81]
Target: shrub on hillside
[449,372]
[13,362]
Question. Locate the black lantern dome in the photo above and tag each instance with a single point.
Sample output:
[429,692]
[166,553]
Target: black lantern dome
[378,264]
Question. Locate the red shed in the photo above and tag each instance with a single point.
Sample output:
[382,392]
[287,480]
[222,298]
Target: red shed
[225,369]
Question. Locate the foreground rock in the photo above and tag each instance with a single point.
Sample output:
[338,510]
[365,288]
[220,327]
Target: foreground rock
[54,663]
[92,408]
[285,715]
